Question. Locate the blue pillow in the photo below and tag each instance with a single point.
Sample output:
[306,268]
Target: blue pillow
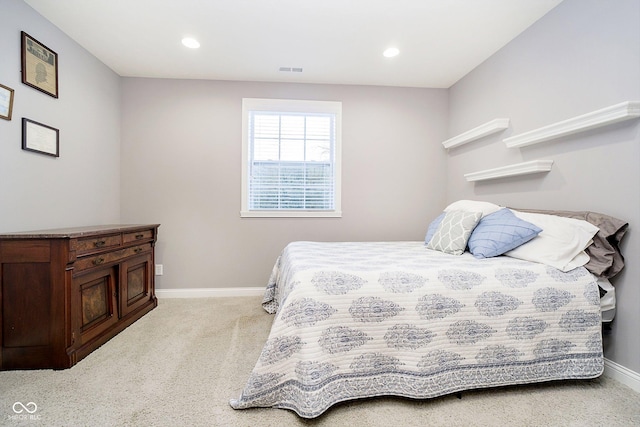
[500,232]
[431,230]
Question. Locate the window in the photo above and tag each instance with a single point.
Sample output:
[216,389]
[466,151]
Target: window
[291,158]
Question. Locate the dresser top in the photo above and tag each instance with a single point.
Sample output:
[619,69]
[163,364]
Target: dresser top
[75,232]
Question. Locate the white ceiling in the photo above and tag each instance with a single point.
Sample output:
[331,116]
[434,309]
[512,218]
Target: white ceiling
[334,41]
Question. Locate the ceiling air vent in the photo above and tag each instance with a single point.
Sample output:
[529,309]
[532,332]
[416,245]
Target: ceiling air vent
[291,69]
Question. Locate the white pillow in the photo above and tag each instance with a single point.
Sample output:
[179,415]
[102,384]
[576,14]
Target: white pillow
[561,243]
[579,260]
[473,206]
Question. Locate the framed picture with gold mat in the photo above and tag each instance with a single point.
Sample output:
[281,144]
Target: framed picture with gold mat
[39,66]
[6,102]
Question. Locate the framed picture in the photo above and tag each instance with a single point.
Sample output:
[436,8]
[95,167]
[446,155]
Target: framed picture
[40,138]
[39,66]
[6,102]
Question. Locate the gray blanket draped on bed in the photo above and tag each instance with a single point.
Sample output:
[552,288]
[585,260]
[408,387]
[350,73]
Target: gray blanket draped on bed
[357,320]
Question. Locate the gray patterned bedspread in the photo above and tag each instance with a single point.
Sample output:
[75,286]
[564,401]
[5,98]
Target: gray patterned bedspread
[357,320]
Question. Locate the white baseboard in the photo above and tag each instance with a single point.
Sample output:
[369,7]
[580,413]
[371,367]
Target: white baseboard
[611,369]
[209,292]
[621,374]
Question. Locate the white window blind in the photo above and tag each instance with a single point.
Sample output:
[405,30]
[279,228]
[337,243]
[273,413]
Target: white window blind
[292,158]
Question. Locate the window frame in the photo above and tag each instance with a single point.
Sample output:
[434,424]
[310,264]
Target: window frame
[292,106]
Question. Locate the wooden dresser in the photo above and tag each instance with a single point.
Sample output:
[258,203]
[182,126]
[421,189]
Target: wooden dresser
[65,292]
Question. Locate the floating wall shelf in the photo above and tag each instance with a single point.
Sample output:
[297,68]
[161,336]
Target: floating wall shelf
[535,166]
[606,116]
[488,128]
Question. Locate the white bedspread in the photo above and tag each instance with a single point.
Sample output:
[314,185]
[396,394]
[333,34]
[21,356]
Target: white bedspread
[359,320]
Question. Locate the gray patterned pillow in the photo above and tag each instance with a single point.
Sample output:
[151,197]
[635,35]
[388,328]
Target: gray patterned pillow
[454,231]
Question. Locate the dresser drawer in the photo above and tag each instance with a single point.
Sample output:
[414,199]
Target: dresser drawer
[110,257]
[93,244]
[138,235]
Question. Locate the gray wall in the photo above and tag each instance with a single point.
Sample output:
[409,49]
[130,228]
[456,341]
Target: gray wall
[181,167]
[582,56]
[82,186]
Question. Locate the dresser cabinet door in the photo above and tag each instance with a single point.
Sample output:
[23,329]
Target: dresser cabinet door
[136,282]
[97,306]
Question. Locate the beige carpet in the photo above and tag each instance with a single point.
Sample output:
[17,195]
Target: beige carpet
[180,364]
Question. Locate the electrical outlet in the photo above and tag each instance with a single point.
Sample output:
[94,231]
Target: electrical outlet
[159,270]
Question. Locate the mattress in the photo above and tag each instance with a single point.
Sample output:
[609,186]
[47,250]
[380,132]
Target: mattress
[363,319]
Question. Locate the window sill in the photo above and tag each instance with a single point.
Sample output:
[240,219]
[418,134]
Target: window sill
[291,214]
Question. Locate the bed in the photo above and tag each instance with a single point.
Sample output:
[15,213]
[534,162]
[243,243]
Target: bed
[416,319]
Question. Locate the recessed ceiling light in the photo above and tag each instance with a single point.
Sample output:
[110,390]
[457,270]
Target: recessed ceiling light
[190,42]
[291,69]
[391,52]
